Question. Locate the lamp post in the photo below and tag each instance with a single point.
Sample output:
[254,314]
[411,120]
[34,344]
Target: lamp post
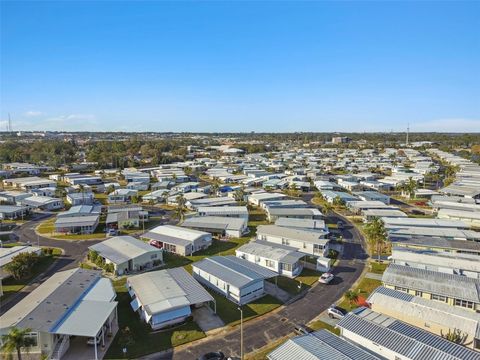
[241,332]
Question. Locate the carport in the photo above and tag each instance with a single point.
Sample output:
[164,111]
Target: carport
[91,320]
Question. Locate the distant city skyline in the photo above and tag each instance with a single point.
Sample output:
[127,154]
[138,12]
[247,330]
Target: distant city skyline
[240,66]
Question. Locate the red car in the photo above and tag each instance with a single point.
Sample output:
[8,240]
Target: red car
[156,243]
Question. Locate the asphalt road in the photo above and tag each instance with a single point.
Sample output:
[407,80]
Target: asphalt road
[74,252]
[260,332]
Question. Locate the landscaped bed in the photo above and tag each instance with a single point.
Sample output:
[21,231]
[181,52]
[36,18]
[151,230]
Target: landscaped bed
[363,289]
[47,228]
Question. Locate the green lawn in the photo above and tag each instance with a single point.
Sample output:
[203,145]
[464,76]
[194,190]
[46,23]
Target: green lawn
[364,288]
[229,313]
[378,268]
[10,286]
[307,278]
[318,325]
[146,341]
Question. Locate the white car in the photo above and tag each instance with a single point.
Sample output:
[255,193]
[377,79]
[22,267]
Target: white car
[335,312]
[326,278]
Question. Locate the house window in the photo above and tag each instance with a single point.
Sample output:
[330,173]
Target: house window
[287,267]
[418,293]
[269,263]
[438,298]
[399,288]
[34,337]
[464,303]
[285,242]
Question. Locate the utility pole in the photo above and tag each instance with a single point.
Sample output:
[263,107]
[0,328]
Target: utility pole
[241,332]
[408,130]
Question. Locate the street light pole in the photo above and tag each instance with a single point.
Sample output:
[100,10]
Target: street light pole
[241,332]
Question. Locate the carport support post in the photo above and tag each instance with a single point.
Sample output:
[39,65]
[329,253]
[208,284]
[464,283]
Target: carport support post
[95,347]
[241,331]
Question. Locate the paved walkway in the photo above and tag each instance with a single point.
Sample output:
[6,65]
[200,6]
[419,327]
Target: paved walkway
[276,292]
[374,276]
[207,319]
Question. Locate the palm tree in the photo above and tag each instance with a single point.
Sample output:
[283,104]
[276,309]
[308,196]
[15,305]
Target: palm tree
[410,187]
[181,209]
[327,208]
[376,235]
[239,194]
[16,340]
[81,187]
[215,186]
[351,296]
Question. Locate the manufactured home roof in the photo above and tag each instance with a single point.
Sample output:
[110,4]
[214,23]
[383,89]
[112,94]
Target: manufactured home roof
[436,242]
[291,233]
[320,345]
[171,234]
[410,222]
[449,285]
[57,303]
[120,249]
[168,289]
[67,221]
[426,310]
[442,259]
[411,342]
[233,270]
[277,252]
[307,224]
[223,210]
[215,222]
[281,211]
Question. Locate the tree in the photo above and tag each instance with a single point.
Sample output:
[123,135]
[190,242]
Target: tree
[327,208]
[215,186]
[239,194]
[456,336]
[16,340]
[21,265]
[338,201]
[376,235]
[410,187]
[93,256]
[351,296]
[180,209]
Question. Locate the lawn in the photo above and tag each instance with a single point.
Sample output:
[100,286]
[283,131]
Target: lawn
[229,313]
[378,268]
[319,325]
[48,227]
[364,288]
[103,198]
[11,286]
[308,277]
[144,340]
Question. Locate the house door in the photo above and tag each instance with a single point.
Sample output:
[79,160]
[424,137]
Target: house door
[130,265]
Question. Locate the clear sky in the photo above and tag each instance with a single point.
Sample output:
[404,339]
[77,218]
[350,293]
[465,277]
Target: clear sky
[241,66]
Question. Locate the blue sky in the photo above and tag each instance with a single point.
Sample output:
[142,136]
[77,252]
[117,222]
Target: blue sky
[240,66]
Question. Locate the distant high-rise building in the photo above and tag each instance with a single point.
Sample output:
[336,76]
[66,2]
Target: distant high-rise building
[340,140]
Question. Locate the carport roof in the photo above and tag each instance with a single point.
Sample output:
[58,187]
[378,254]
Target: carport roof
[86,319]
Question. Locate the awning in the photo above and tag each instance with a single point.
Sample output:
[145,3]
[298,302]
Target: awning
[171,315]
[87,319]
[135,304]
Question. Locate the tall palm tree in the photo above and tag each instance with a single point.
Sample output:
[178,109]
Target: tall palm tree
[376,235]
[327,208]
[16,340]
[181,208]
[410,187]
[239,194]
[215,186]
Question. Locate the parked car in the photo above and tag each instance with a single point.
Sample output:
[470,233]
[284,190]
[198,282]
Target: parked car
[156,244]
[326,278]
[112,232]
[216,355]
[300,330]
[340,225]
[334,312]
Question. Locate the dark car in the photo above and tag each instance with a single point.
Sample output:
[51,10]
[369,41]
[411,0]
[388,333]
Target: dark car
[216,355]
